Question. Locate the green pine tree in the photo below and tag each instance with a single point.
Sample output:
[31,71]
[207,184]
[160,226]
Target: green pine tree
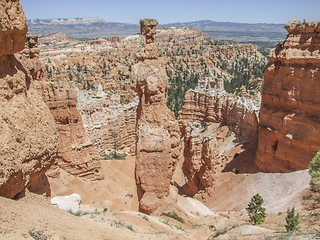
[314,170]
[292,220]
[255,210]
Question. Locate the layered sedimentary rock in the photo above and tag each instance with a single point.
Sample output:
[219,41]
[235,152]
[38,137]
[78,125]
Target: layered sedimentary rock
[200,159]
[289,125]
[103,114]
[157,146]
[76,152]
[209,102]
[77,155]
[28,135]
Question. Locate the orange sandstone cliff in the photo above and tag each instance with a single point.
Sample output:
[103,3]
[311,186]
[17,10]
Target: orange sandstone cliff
[210,103]
[158,136]
[77,154]
[289,125]
[28,134]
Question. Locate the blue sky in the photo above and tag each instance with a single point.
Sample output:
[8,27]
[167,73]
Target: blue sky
[169,11]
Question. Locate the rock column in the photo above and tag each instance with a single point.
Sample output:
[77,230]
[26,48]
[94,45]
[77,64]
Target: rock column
[158,136]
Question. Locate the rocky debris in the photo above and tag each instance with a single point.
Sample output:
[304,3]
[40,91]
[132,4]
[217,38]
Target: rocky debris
[103,114]
[28,135]
[209,102]
[289,124]
[69,204]
[77,155]
[158,136]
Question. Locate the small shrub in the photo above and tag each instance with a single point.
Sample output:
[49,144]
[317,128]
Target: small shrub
[255,210]
[212,228]
[38,235]
[145,218]
[219,233]
[129,227]
[314,170]
[292,220]
[111,156]
[173,215]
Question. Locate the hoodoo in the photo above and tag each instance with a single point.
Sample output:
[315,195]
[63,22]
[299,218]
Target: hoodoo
[289,125]
[158,136]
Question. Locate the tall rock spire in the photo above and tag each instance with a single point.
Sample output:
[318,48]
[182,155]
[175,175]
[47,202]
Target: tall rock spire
[158,136]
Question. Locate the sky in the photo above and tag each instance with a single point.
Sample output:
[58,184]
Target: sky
[171,11]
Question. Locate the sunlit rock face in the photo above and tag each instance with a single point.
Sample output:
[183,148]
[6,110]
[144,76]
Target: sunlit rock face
[28,134]
[158,135]
[289,125]
[209,102]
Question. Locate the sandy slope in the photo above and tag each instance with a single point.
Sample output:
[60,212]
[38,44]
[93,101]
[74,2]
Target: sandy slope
[111,209]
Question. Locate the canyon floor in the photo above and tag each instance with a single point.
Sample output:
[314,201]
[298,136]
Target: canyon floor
[110,207]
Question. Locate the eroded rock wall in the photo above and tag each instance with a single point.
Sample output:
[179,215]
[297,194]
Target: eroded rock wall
[209,102]
[103,114]
[200,159]
[289,125]
[28,134]
[77,155]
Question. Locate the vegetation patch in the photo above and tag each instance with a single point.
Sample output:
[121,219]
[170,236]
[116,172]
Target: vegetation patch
[314,169]
[38,235]
[173,215]
[112,156]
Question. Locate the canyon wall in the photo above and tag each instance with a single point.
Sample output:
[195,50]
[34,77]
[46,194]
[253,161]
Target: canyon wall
[28,134]
[158,137]
[103,114]
[209,102]
[289,125]
[76,153]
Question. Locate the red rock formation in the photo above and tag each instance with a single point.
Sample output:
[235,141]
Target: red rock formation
[289,125]
[157,144]
[76,153]
[201,159]
[28,135]
[209,102]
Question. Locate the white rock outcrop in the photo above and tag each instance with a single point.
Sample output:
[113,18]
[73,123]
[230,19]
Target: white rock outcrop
[69,203]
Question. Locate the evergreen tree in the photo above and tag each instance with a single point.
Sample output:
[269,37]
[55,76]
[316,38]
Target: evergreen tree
[314,170]
[255,210]
[292,220]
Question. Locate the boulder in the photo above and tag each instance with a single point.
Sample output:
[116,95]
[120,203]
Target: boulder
[69,204]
